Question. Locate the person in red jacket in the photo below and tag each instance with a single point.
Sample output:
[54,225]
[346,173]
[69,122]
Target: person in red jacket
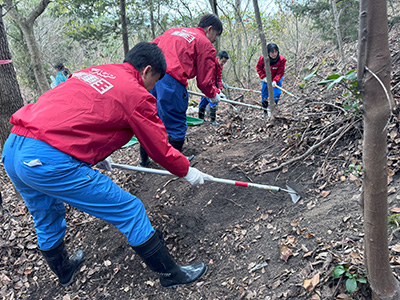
[55,142]
[277,65]
[220,61]
[189,53]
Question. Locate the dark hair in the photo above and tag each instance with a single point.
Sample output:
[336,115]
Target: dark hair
[146,54]
[272,46]
[223,54]
[61,68]
[211,20]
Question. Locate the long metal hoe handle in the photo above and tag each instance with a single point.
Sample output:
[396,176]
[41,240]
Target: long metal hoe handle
[229,101]
[214,179]
[241,89]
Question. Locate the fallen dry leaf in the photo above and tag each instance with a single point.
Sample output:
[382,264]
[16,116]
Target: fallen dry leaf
[310,284]
[285,253]
[396,248]
[325,193]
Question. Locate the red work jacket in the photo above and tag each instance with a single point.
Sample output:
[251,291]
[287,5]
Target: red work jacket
[189,53]
[277,69]
[218,75]
[95,112]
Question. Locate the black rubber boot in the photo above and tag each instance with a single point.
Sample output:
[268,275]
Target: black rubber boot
[156,256]
[202,112]
[213,116]
[63,266]
[144,157]
[265,105]
[177,144]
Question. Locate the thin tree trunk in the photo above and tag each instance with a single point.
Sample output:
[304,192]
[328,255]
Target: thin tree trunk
[374,62]
[124,27]
[26,26]
[266,60]
[239,46]
[337,30]
[153,31]
[10,95]
[213,4]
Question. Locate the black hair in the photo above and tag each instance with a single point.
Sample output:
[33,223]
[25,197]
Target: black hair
[223,54]
[272,46]
[211,20]
[146,54]
[61,68]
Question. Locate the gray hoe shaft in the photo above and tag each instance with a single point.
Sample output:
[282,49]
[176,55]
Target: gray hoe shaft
[293,194]
[229,101]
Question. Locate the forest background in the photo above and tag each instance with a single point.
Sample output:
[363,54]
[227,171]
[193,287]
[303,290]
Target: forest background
[80,33]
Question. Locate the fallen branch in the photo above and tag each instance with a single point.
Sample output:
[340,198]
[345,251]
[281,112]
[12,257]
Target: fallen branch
[333,145]
[330,104]
[308,152]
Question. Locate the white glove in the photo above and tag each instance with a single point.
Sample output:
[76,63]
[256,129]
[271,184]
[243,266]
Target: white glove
[273,83]
[216,99]
[194,176]
[105,164]
[222,95]
[265,80]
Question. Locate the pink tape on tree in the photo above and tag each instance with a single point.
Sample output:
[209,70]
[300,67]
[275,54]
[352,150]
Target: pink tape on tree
[4,62]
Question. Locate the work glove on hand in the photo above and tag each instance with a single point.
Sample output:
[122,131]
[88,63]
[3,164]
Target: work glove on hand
[222,95]
[194,176]
[265,80]
[273,83]
[216,99]
[105,164]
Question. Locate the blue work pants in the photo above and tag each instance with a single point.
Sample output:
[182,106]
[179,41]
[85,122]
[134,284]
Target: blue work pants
[277,92]
[172,103]
[204,101]
[47,178]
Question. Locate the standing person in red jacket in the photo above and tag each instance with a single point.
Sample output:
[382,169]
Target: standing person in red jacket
[220,61]
[55,142]
[189,53]
[277,65]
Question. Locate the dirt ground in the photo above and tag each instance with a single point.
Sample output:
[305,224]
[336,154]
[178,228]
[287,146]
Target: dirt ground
[234,230]
[257,244]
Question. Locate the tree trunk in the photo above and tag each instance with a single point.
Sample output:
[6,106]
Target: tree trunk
[374,62]
[336,16]
[10,95]
[26,26]
[124,27]
[238,24]
[213,4]
[266,60]
[152,25]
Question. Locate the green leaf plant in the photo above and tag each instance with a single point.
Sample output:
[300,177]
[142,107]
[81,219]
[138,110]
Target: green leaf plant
[353,278]
[352,97]
[356,170]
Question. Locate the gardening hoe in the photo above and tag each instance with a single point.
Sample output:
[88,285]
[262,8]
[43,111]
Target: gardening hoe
[229,101]
[246,90]
[289,189]
[287,92]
